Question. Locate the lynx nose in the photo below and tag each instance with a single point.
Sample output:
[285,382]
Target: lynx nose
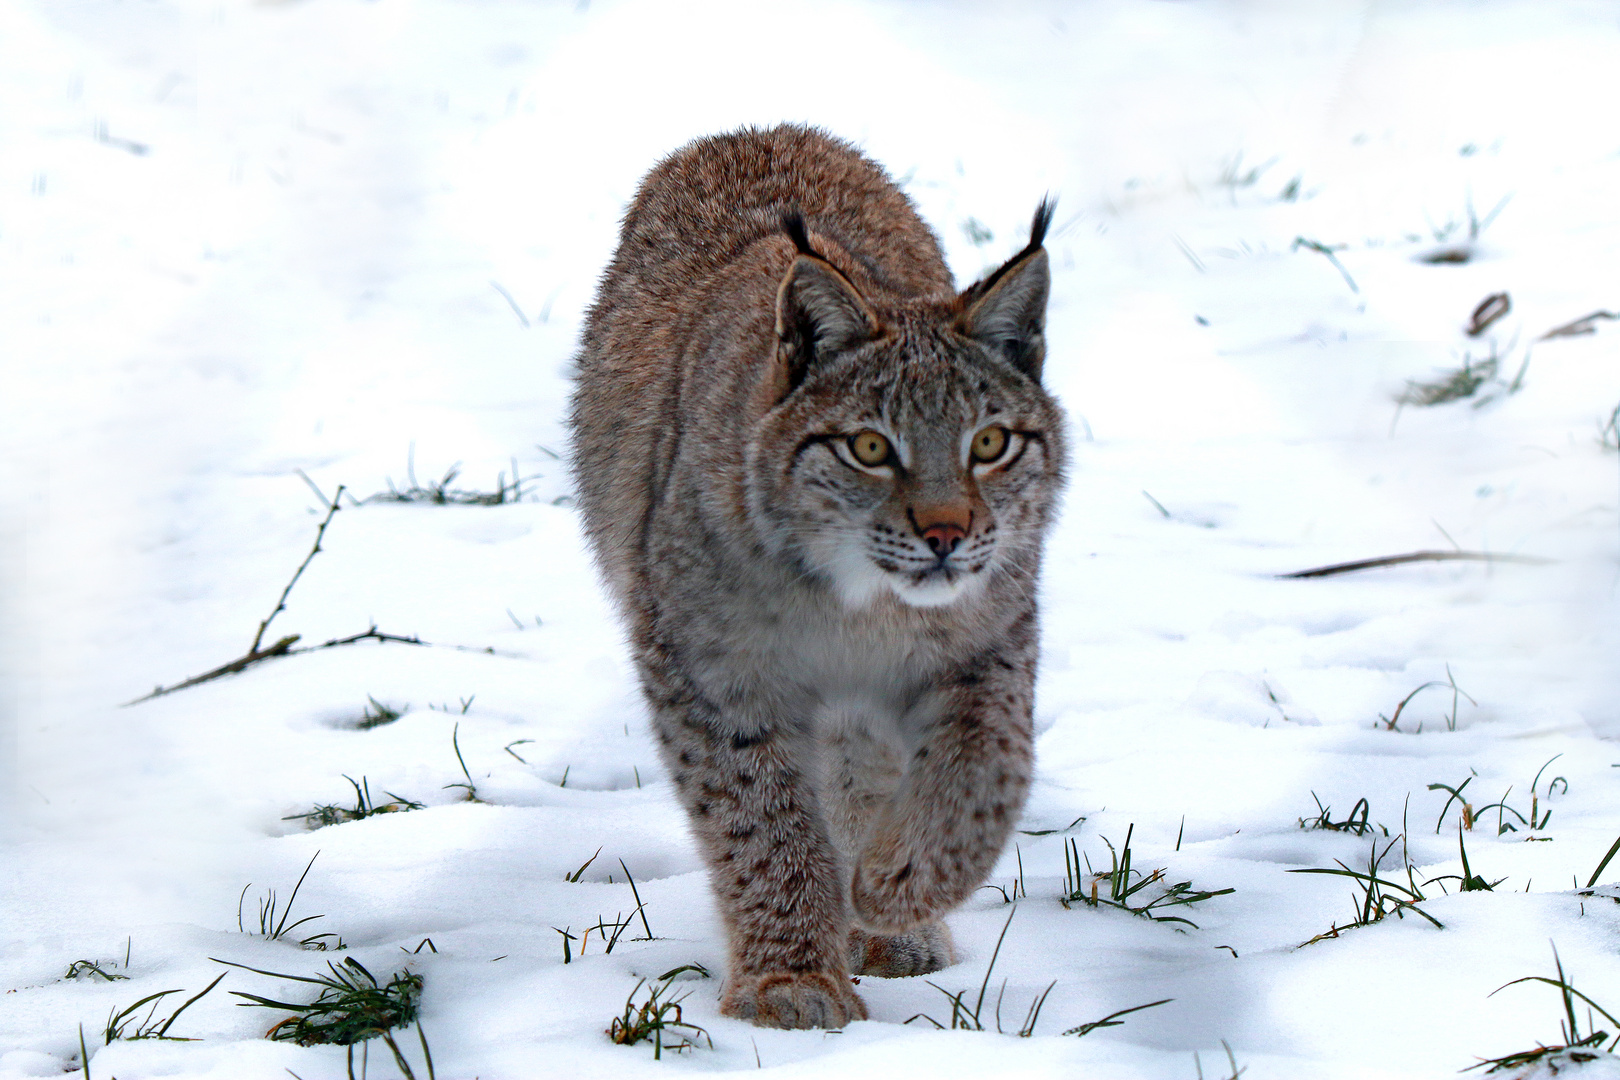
[942,530]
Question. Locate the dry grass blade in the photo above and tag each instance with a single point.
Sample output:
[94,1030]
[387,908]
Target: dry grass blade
[1112,1019]
[1586,324]
[1414,557]
[1328,252]
[1490,309]
[1613,848]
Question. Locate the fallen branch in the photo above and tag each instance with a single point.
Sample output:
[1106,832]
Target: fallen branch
[284,647]
[253,656]
[1416,556]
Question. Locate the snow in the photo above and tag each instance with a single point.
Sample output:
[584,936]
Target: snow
[239,241]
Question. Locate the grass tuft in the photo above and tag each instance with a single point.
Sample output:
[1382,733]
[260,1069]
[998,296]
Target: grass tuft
[966,1019]
[470,787]
[273,929]
[1576,1047]
[1609,431]
[377,714]
[648,1020]
[1328,252]
[1392,722]
[1124,883]
[364,806]
[579,874]
[441,492]
[1467,881]
[1018,891]
[1464,249]
[83,969]
[151,1026]
[1454,385]
[1379,897]
[1355,822]
[351,1008]
[1231,1061]
[1535,822]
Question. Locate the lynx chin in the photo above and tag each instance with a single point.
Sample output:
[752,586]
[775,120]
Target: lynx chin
[817,479]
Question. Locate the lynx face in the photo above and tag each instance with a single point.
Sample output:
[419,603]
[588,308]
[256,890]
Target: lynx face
[922,462]
[913,449]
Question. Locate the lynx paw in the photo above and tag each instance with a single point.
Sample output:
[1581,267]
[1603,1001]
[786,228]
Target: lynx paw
[919,951]
[785,999]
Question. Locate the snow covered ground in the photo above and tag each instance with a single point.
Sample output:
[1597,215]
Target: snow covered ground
[242,240]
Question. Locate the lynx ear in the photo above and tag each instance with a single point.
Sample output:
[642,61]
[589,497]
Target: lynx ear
[1006,312]
[818,310]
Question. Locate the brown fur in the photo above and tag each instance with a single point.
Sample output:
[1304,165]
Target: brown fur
[838,657]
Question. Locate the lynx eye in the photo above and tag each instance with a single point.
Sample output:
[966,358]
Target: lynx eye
[869,448]
[989,444]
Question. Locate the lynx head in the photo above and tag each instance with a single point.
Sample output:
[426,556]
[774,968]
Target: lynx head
[912,449]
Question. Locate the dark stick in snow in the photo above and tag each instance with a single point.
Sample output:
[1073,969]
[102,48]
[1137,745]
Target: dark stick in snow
[1416,556]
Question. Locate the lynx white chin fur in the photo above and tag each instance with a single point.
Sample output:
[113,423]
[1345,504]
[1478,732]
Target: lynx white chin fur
[817,479]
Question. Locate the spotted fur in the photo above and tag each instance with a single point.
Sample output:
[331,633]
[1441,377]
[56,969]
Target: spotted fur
[838,657]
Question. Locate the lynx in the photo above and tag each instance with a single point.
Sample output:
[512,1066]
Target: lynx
[817,480]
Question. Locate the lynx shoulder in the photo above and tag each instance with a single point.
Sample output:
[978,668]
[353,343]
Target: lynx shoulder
[817,480]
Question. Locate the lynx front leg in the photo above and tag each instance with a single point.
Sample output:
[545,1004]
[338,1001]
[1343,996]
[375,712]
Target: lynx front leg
[940,836]
[861,774]
[771,864]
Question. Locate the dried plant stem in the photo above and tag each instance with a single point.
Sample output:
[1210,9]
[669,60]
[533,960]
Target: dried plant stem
[1416,556]
[1577,327]
[281,602]
[285,645]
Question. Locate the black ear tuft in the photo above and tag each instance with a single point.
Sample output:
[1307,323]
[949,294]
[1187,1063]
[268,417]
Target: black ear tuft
[793,225]
[1042,222]
[1037,237]
[1006,311]
[818,310]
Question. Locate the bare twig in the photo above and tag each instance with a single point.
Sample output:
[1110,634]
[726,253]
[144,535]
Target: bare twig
[1582,325]
[241,663]
[1416,556]
[285,646]
[1490,309]
[281,603]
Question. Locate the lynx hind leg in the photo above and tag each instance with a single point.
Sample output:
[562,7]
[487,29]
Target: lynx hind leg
[919,951]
